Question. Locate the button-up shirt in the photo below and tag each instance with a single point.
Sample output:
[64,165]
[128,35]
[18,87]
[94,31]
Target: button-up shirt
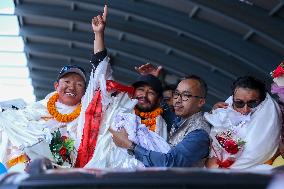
[191,149]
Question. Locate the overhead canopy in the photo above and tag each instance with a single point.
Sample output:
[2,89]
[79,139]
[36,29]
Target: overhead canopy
[218,40]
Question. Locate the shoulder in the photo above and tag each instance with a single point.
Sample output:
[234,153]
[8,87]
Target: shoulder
[201,123]
[198,134]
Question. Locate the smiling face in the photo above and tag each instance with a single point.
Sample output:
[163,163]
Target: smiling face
[147,98]
[188,98]
[71,88]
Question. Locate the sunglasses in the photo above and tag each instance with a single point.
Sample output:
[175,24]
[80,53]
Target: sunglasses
[250,104]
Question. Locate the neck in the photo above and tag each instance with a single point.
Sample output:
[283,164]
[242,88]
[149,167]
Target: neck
[190,115]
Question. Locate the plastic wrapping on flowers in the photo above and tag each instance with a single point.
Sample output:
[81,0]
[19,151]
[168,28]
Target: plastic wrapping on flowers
[226,147]
[61,148]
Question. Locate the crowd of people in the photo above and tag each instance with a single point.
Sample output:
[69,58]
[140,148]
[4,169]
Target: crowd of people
[108,125]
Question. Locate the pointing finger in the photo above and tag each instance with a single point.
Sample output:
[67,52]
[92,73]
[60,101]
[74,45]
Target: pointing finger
[105,13]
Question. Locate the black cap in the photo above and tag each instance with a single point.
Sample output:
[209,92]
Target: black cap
[72,69]
[150,80]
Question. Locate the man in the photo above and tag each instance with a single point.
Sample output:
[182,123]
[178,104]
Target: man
[190,141]
[168,96]
[246,130]
[148,92]
[148,88]
[167,100]
[112,102]
[23,130]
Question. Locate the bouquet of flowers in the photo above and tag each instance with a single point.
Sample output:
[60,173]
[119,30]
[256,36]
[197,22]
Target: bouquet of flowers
[61,148]
[278,72]
[227,147]
[278,77]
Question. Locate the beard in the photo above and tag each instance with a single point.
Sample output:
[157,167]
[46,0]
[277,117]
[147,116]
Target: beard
[148,108]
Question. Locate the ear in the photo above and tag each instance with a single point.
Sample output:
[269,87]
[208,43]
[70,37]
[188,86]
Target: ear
[201,103]
[55,85]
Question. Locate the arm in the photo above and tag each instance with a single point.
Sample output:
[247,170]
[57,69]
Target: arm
[193,148]
[98,26]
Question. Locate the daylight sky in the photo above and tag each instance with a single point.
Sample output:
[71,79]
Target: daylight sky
[14,74]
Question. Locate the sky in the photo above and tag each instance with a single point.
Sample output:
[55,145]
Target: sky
[14,74]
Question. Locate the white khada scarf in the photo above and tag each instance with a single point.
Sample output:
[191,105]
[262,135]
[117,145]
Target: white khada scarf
[260,130]
[119,112]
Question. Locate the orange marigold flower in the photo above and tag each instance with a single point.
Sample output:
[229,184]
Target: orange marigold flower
[149,118]
[65,118]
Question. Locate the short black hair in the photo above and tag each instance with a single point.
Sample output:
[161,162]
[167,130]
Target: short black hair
[250,82]
[203,85]
[169,88]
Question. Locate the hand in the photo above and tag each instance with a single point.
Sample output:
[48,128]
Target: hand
[99,22]
[120,138]
[211,163]
[149,69]
[220,105]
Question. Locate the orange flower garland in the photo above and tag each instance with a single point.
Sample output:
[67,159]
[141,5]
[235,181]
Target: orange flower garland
[65,118]
[149,118]
[20,159]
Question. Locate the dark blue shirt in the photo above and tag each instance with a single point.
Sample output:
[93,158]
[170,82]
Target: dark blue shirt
[189,152]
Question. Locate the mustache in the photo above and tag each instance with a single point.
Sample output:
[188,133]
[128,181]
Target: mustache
[177,104]
[143,98]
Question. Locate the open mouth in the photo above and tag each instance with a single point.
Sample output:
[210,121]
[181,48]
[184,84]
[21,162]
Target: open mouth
[70,94]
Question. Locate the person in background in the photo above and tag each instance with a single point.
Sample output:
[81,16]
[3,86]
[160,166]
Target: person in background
[277,87]
[168,95]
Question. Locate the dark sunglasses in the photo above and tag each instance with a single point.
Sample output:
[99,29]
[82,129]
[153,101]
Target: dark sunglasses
[241,104]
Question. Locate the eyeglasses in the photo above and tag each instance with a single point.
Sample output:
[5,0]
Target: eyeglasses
[241,104]
[184,96]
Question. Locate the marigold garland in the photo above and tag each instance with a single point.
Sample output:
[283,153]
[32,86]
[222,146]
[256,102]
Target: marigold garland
[20,159]
[149,118]
[65,118]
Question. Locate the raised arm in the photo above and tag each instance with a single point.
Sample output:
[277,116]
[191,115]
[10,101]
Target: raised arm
[98,25]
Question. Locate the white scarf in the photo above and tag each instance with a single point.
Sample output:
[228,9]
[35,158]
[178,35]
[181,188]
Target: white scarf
[260,130]
[21,129]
